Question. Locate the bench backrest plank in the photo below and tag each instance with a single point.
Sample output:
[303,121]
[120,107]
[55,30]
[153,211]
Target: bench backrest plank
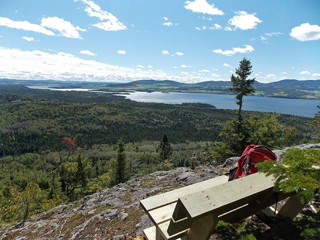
[163,199]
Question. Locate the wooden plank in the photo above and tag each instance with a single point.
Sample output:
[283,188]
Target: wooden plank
[225,197]
[164,231]
[291,208]
[150,233]
[251,208]
[202,229]
[160,215]
[163,199]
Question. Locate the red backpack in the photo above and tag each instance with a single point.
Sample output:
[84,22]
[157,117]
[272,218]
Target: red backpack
[252,155]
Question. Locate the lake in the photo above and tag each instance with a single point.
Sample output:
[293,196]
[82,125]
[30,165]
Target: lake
[299,107]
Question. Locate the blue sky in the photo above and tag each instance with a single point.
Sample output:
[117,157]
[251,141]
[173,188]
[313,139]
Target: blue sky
[186,41]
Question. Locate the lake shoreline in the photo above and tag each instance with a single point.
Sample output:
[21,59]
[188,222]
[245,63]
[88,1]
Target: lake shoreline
[283,105]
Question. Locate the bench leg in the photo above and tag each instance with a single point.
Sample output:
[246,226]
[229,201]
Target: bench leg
[153,233]
[158,235]
[202,229]
[291,208]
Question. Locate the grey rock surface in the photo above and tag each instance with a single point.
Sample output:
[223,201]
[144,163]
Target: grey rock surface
[114,213]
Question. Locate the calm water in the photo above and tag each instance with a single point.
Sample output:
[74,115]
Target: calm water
[300,107]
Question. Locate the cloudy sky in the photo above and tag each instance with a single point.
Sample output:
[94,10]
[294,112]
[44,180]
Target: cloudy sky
[186,41]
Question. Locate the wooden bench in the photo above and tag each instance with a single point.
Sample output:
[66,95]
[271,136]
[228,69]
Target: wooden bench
[192,212]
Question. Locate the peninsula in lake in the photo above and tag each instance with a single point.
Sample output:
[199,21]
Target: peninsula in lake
[288,88]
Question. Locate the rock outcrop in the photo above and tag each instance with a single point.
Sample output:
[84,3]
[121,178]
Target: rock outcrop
[114,213]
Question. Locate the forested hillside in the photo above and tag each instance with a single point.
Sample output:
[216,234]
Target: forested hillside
[37,120]
[59,146]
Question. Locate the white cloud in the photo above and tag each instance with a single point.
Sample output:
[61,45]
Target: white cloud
[204,70]
[87,52]
[25,25]
[29,39]
[198,28]
[244,21]
[167,24]
[284,72]
[305,72]
[202,6]
[227,65]
[179,53]
[263,38]
[18,64]
[227,28]
[149,66]
[109,21]
[272,76]
[316,74]
[185,66]
[165,18]
[140,66]
[41,65]
[109,26]
[306,32]
[216,26]
[175,67]
[184,73]
[247,49]
[122,52]
[215,75]
[209,18]
[273,34]
[64,28]
[165,52]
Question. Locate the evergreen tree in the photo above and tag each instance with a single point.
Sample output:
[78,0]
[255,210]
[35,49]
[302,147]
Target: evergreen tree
[241,85]
[81,174]
[164,148]
[299,173]
[236,133]
[263,130]
[120,162]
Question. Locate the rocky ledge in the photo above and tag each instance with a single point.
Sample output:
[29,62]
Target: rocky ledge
[113,213]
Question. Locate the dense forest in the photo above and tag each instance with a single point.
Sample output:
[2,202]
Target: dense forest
[37,120]
[58,146]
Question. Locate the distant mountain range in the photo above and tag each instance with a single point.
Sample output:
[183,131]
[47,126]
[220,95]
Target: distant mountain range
[288,88]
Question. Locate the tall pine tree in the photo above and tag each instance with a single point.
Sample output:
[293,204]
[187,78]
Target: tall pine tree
[241,85]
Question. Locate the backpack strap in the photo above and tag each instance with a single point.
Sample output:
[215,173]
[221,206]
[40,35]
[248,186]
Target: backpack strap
[246,165]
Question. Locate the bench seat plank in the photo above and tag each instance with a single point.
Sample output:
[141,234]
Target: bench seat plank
[163,199]
[160,215]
